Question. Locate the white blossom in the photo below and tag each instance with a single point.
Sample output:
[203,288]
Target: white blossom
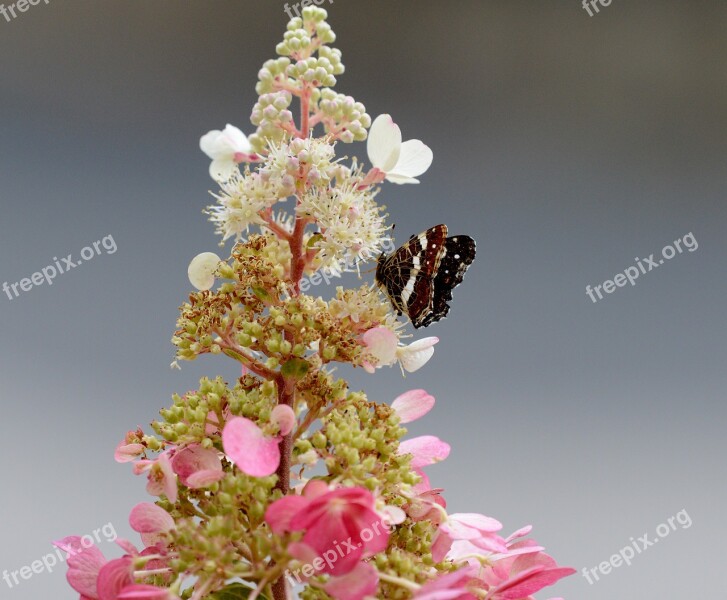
[226,148]
[241,200]
[401,162]
[202,270]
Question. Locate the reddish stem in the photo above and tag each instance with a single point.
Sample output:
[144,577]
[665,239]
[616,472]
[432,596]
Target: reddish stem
[286,387]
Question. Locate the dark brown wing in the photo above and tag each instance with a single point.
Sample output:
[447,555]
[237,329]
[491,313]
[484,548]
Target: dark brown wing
[459,254]
[407,275]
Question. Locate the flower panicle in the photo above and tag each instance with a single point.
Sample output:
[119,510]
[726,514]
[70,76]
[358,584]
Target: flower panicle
[285,477]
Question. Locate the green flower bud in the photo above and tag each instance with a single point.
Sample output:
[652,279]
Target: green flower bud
[319,440]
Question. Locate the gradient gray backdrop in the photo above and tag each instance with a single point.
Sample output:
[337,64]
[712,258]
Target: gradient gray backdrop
[565,144]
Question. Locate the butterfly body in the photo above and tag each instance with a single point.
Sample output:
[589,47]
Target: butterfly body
[419,277]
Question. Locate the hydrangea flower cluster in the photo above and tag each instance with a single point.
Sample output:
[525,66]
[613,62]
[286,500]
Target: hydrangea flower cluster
[288,483]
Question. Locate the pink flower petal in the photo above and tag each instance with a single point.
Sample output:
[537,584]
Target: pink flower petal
[381,343]
[280,513]
[127,546]
[441,546]
[302,552]
[450,586]
[426,450]
[146,517]
[82,576]
[412,405]
[127,452]
[145,592]
[169,479]
[315,488]
[194,459]
[113,577]
[284,417]
[477,521]
[531,581]
[162,479]
[203,479]
[522,532]
[356,585]
[142,466]
[249,448]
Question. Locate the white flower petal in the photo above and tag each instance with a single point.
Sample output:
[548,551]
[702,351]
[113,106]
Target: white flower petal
[415,360]
[235,140]
[202,270]
[224,144]
[394,178]
[208,143]
[222,169]
[423,343]
[417,354]
[415,158]
[384,143]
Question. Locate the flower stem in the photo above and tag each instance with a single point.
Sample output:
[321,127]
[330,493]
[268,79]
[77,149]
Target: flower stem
[286,387]
[286,395]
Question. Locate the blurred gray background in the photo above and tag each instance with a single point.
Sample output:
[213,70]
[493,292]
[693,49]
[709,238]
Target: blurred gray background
[565,144]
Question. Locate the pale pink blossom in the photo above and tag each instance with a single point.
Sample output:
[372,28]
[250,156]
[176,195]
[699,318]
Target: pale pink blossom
[90,574]
[383,349]
[425,450]
[521,575]
[427,505]
[476,529]
[450,586]
[146,592]
[161,477]
[284,417]
[114,576]
[125,453]
[252,451]
[412,405]
[359,583]
[197,467]
[151,521]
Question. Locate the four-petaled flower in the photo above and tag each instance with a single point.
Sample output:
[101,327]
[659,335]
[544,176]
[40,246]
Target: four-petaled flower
[399,162]
[227,149]
[332,519]
[383,349]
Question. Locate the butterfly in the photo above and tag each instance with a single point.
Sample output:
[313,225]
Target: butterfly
[419,277]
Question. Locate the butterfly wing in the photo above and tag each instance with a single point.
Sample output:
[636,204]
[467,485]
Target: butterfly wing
[459,254]
[419,276]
